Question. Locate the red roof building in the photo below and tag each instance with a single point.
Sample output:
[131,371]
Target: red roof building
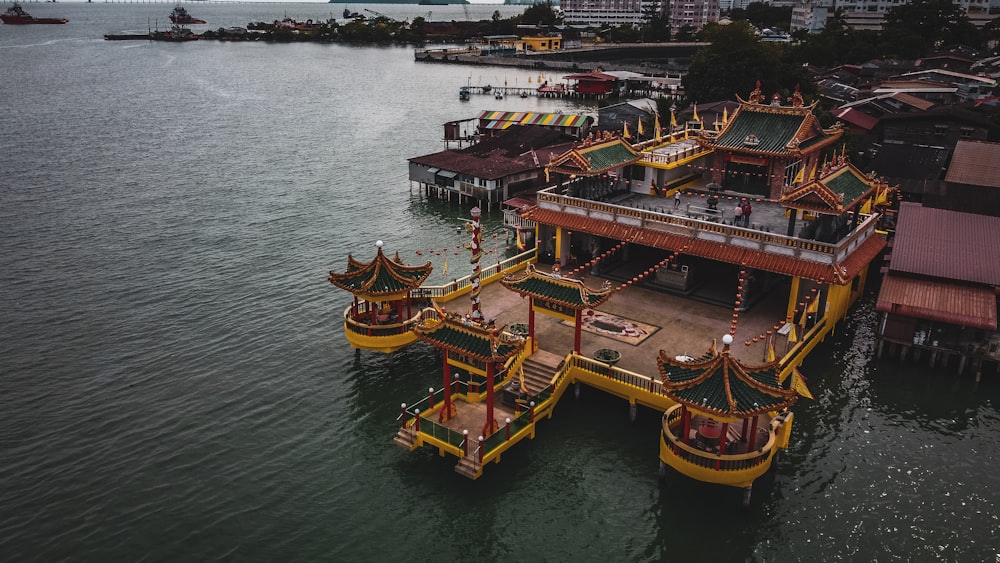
[940,289]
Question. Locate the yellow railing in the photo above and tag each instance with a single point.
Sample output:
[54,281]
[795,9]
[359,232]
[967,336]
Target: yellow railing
[715,461]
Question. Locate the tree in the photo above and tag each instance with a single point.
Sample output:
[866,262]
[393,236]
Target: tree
[914,29]
[764,15]
[735,60]
[686,34]
[540,14]
[655,23]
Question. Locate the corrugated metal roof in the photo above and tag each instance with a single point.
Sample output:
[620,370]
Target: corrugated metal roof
[952,303]
[946,244]
[976,163]
[829,273]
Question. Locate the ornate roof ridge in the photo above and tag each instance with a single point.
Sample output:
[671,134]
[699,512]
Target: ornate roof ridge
[725,366]
[408,276]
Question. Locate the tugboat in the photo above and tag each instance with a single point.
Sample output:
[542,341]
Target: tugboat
[181,16]
[17,16]
[176,33]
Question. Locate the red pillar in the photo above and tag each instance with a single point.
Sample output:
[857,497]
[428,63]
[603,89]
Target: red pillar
[448,409]
[576,333]
[686,418]
[491,424]
[752,444]
[531,318]
[723,437]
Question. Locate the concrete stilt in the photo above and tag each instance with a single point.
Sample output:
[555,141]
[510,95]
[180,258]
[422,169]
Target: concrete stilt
[632,412]
[746,495]
[576,390]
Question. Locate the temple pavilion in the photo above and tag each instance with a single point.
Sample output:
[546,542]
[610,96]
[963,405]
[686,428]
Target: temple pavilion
[730,418]
[763,148]
[563,298]
[383,312]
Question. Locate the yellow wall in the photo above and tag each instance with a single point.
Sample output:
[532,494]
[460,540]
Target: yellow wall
[542,43]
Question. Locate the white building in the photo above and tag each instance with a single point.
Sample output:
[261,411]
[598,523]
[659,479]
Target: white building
[613,13]
[868,14]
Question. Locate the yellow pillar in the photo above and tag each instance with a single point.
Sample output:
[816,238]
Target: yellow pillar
[792,297]
[559,245]
[838,298]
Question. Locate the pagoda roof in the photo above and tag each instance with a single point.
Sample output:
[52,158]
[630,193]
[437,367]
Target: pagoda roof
[771,131]
[719,384]
[595,157]
[832,191]
[462,336]
[565,291]
[381,277]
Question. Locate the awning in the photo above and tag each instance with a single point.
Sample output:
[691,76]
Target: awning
[952,303]
[447,174]
[433,170]
[520,202]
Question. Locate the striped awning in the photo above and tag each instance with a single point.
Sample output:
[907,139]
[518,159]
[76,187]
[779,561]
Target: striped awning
[504,119]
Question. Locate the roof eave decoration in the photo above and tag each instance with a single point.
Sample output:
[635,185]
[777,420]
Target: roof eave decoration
[577,161]
[463,336]
[381,277]
[806,195]
[723,369]
[565,291]
[809,124]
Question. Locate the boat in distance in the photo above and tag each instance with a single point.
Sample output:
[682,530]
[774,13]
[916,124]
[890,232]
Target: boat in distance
[180,15]
[17,16]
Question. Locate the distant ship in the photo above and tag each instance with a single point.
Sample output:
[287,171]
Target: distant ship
[175,33]
[181,16]
[16,15]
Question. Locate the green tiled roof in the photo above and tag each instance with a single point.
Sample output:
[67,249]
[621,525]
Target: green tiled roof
[848,183]
[381,276]
[773,130]
[719,384]
[609,156]
[454,336]
[569,292]
[595,158]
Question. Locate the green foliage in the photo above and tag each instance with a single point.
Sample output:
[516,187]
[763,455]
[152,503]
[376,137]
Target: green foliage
[687,34]
[655,24]
[539,14]
[764,15]
[916,28]
[735,60]
[624,34]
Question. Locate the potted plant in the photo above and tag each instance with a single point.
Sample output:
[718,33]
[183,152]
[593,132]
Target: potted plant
[608,356]
[518,329]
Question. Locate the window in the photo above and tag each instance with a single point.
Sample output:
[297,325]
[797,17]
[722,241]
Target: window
[967,132]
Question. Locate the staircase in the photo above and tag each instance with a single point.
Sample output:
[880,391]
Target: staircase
[468,466]
[405,438]
[539,369]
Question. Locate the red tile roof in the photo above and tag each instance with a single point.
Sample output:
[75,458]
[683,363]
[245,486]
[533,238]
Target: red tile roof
[952,303]
[857,118]
[949,245]
[840,274]
[976,163]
